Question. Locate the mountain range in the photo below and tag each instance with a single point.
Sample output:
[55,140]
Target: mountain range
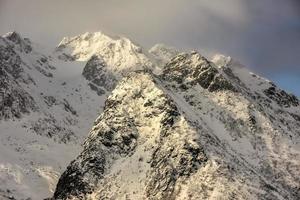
[100,117]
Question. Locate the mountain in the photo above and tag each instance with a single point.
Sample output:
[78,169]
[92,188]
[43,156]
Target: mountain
[199,130]
[169,124]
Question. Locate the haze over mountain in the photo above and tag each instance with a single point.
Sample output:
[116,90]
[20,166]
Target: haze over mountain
[101,117]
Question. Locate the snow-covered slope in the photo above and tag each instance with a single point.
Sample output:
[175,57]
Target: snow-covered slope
[197,131]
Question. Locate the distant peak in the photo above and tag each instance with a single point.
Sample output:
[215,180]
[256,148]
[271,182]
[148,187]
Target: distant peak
[24,44]
[93,37]
[13,36]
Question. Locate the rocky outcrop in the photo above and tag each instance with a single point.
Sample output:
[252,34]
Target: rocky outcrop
[281,97]
[100,77]
[14,101]
[190,69]
[22,44]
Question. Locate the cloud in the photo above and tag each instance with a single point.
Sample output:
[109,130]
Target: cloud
[264,35]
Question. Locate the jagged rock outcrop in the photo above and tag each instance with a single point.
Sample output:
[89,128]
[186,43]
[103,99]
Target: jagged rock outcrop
[22,44]
[14,101]
[190,69]
[100,77]
[281,97]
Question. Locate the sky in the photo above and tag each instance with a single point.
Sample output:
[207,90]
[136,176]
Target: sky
[264,35]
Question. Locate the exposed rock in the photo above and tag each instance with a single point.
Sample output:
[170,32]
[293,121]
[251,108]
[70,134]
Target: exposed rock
[98,73]
[23,44]
[190,69]
[14,101]
[281,97]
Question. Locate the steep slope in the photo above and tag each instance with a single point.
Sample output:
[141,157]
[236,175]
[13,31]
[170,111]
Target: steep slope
[197,131]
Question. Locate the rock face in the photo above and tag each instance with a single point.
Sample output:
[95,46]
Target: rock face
[97,72]
[14,101]
[176,136]
[281,97]
[190,69]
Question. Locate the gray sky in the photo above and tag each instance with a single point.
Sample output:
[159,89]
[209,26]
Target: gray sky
[262,34]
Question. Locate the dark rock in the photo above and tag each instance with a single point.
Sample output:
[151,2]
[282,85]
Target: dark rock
[97,73]
[191,69]
[281,97]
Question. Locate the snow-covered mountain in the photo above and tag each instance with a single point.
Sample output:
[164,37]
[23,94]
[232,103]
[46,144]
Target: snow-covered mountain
[169,125]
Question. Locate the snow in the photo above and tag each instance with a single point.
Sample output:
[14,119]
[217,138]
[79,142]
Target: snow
[31,164]
[120,54]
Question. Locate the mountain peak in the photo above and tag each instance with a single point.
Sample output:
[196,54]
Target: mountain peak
[94,40]
[119,53]
[13,36]
[23,44]
[188,69]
